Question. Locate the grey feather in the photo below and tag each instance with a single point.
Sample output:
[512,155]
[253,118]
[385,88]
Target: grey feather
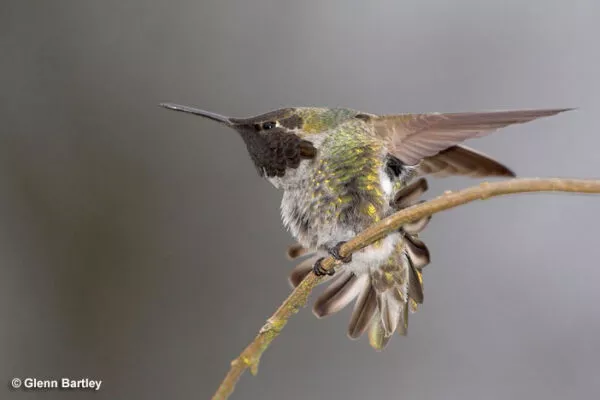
[296,251]
[403,323]
[415,284]
[417,251]
[413,137]
[409,195]
[363,313]
[339,294]
[389,309]
[300,271]
[417,226]
[461,160]
[377,337]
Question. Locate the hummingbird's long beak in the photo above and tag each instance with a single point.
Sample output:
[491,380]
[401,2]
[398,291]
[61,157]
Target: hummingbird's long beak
[206,114]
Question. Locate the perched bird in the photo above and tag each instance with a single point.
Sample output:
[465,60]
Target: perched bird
[342,170]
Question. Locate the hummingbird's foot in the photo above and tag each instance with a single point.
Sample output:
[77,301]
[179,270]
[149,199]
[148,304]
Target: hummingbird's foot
[335,253]
[319,270]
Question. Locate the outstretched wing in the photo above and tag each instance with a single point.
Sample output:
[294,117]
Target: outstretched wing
[461,160]
[413,137]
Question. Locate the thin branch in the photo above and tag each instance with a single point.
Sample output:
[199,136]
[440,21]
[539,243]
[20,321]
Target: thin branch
[250,357]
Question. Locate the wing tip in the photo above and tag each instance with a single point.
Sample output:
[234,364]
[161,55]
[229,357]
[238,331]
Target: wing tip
[507,173]
[555,111]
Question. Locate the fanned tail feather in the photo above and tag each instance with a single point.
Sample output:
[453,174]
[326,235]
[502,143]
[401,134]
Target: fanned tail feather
[296,251]
[301,270]
[339,294]
[410,194]
[364,311]
[386,295]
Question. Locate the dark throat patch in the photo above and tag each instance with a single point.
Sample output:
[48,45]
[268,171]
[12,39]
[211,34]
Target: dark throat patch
[272,143]
[276,150]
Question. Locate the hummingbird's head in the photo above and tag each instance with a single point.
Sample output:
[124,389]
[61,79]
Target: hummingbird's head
[279,139]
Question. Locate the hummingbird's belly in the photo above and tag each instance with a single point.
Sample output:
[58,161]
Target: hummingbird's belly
[319,229]
[338,195]
[321,220]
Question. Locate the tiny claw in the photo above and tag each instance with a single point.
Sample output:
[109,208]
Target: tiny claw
[335,253]
[319,270]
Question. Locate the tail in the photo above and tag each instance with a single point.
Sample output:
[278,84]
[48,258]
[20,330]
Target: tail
[386,295]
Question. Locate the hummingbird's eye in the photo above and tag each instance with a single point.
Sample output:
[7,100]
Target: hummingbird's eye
[268,125]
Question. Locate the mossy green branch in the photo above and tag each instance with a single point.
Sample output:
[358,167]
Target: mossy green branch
[250,357]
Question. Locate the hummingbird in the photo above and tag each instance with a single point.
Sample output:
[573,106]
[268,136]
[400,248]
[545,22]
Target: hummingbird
[342,170]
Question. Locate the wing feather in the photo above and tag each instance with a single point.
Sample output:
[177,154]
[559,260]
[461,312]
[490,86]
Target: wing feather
[461,160]
[413,137]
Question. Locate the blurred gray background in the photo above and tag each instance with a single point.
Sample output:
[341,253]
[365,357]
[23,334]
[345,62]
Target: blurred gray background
[139,246]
